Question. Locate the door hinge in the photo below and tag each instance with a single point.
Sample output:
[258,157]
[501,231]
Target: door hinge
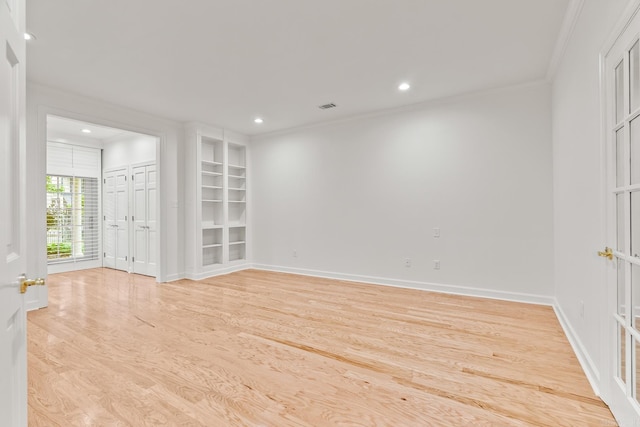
[125,217]
[125,258]
[104,181]
[133,259]
[133,218]
[105,217]
[125,177]
[133,177]
[104,254]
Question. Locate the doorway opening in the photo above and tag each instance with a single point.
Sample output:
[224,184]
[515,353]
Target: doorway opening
[102,198]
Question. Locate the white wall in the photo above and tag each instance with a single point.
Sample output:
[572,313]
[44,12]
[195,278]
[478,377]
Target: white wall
[357,197]
[128,150]
[42,101]
[578,210]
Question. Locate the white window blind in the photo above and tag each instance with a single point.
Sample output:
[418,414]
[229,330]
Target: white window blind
[73,203]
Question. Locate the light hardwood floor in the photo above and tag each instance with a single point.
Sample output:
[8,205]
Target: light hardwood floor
[268,349]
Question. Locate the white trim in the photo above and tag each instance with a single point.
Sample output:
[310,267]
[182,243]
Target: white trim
[66,267]
[571,16]
[588,366]
[425,286]
[175,277]
[44,110]
[219,272]
[625,19]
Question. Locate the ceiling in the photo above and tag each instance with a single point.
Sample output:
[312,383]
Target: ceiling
[74,128]
[226,62]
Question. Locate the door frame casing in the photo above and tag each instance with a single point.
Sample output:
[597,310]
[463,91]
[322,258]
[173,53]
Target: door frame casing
[38,156]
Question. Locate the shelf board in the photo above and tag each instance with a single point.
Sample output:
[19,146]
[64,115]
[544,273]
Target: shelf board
[237,167]
[211,226]
[212,246]
[214,187]
[211,173]
[239,242]
[211,201]
[237,176]
[237,201]
[209,162]
[237,189]
[237,226]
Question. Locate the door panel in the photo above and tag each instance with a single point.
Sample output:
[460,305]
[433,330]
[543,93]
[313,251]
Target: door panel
[144,201]
[622,80]
[13,375]
[116,215]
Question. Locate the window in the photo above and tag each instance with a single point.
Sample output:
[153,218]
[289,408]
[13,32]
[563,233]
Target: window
[72,219]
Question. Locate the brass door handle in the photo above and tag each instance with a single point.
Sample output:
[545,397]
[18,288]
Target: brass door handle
[607,253]
[25,283]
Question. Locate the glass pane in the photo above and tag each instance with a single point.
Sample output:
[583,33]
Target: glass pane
[635,293]
[621,242]
[619,93]
[621,296]
[635,224]
[634,70]
[635,151]
[622,359]
[72,218]
[620,163]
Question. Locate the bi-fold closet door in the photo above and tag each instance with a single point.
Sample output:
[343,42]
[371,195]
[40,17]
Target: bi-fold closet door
[130,231]
[144,220]
[116,219]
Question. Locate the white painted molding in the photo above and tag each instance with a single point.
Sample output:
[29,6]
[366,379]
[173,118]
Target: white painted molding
[566,30]
[590,369]
[174,277]
[219,272]
[625,19]
[407,284]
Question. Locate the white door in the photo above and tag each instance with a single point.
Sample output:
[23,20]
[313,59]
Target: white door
[13,327]
[116,214]
[144,219]
[622,80]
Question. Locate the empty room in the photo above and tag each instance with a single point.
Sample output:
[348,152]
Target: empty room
[320,213]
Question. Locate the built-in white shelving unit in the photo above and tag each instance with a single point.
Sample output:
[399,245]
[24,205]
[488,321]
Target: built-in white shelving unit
[216,202]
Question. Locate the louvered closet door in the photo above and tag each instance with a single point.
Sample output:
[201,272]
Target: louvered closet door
[144,220]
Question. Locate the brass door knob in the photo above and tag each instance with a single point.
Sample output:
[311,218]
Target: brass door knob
[25,283]
[607,253]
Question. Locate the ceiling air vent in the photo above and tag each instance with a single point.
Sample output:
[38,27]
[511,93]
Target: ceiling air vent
[327,106]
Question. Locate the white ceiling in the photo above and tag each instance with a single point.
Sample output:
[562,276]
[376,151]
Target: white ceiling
[224,62]
[60,129]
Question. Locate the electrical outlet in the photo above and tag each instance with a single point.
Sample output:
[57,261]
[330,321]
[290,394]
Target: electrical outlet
[407,262]
[436,264]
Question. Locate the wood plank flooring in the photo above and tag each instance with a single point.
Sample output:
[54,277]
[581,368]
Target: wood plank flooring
[257,348]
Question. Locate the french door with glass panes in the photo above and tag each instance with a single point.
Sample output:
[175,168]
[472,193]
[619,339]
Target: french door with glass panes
[622,88]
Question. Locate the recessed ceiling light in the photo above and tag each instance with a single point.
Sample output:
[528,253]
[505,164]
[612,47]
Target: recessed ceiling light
[258,120]
[86,131]
[404,86]
[29,36]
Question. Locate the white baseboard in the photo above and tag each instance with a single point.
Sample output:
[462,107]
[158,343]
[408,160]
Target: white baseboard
[174,277]
[217,272]
[425,286]
[589,368]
